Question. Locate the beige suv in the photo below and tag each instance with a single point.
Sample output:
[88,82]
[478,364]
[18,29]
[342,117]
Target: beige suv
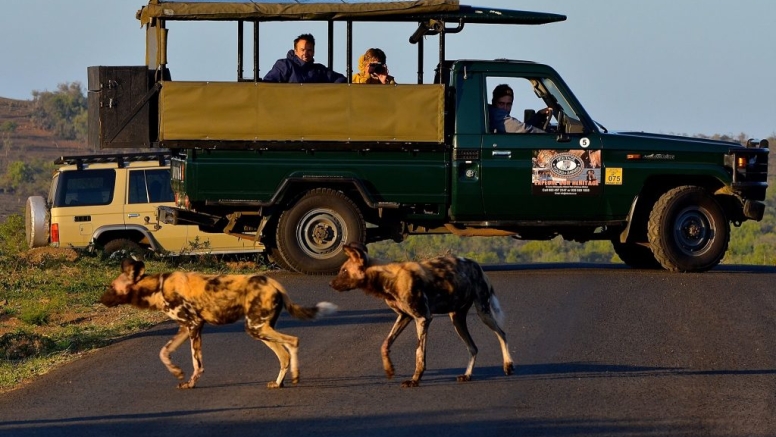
[108,202]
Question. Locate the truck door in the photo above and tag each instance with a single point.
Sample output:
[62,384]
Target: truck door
[534,175]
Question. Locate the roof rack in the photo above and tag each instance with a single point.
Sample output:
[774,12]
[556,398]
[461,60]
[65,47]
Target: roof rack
[121,159]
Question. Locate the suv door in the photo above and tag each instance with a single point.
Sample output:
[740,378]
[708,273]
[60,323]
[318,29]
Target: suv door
[148,189]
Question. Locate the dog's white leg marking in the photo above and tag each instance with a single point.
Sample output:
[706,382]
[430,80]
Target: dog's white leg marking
[491,322]
[169,348]
[421,324]
[385,351]
[293,351]
[459,323]
[195,335]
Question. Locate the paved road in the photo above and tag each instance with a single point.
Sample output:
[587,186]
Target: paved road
[600,351]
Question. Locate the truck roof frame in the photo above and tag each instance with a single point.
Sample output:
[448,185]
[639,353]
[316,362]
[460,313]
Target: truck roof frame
[432,16]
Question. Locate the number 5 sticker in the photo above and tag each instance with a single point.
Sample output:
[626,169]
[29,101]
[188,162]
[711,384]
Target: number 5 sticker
[584,142]
[613,176]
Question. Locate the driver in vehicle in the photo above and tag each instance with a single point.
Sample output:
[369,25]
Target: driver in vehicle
[500,120]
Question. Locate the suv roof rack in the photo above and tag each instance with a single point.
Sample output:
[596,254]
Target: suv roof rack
[121,159]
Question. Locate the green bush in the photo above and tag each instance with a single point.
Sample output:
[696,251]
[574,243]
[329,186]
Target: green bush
[8,126]
[12,236]
[36,314]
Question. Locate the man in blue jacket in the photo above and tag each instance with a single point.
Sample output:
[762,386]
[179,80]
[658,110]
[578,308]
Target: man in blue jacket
[299,65]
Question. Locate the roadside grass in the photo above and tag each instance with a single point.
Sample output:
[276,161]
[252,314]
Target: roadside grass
[49,303]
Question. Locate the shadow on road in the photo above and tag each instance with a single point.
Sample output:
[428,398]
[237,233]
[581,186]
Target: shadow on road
[464,423]
[598,266]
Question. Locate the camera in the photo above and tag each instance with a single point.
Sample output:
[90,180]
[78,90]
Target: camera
[377,68]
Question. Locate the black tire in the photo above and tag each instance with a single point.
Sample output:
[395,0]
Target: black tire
[121,248]
[276,258]
[688,230]
[310,235]
[636,255]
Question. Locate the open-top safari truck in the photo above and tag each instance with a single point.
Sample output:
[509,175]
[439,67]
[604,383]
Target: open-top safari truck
[376,162]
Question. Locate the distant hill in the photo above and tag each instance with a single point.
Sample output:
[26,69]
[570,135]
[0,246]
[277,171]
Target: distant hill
[29,138]
[25,143]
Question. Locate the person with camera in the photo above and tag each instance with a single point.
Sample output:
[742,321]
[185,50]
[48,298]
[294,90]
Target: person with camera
[372,68]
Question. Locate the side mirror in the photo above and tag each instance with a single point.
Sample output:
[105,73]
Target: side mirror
[528,114]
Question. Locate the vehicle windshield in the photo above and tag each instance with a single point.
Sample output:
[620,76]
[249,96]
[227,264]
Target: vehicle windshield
[560,99]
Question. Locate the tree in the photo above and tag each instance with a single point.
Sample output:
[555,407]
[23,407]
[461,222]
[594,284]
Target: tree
[18,174]
[62,111]
[9,127]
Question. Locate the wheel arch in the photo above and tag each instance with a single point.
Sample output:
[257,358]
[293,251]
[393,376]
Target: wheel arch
[655,186]
[293,188]
[138,234]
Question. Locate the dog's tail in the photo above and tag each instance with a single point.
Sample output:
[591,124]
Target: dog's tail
[495,309]
[303,313]
[495,306]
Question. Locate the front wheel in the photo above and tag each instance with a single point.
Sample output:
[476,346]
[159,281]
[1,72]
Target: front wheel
[310,234]
[688,230]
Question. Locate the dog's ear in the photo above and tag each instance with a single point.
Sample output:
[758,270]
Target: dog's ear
[133,269]
[358,246]
[356,252]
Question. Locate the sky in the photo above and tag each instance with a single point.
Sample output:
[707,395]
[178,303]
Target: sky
[665,66]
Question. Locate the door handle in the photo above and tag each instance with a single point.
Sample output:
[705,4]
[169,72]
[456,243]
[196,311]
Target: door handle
[504,153]
[133,215]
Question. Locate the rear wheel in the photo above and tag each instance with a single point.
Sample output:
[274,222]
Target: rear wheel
[688,230]
[276,258]
[310,235]
[636,255]
[123,248]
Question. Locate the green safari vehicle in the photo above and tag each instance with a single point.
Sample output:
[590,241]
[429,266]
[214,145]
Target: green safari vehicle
[383,162]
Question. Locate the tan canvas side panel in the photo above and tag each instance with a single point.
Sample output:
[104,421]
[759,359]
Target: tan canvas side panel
[248,111]
[207,111]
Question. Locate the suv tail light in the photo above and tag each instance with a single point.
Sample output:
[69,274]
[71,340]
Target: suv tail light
[55,233]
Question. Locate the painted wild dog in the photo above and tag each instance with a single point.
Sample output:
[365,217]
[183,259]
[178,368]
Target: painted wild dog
[193,299]
[416,291]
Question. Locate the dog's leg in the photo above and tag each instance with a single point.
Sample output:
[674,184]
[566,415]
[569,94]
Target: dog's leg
[491,323]
[195,335]
[459,322]
[284,359]
[421,324]
[385,351]
[285,347]
[169,348]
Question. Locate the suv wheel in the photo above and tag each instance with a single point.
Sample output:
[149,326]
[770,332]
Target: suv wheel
[36,222]
[310,234]
[123,248]
[688,230]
